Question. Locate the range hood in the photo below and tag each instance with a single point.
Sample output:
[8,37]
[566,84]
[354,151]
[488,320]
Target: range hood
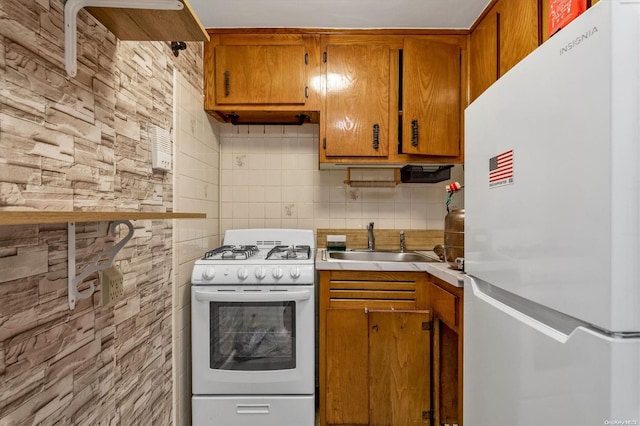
[425,174]
[375,177]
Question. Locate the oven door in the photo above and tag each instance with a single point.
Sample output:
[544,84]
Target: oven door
[252,340]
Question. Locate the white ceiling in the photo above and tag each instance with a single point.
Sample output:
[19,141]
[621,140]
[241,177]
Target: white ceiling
[455,14]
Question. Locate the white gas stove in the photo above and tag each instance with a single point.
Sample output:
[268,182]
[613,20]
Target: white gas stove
[252,330]
[259,256]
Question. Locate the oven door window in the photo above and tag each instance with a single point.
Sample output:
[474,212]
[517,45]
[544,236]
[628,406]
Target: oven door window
[252,336]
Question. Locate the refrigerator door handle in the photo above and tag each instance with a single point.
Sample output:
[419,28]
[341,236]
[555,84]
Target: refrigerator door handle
[552,323]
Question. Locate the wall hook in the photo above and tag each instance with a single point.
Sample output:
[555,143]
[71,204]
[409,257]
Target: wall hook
[105,259]
[177,46]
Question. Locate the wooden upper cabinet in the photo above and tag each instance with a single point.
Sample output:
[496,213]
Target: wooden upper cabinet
[518,31]
[271,77]
[504,36]
[373,90]
[431,86]
[357,100]
[383,89]
[483,59]
[260,74]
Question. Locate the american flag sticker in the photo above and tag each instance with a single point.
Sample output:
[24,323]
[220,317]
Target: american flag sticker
[501,169]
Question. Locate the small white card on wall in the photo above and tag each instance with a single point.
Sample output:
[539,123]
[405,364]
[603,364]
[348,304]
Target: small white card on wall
[160,148]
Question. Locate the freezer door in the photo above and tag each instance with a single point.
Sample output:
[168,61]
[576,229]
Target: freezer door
[543,370]
[565,231]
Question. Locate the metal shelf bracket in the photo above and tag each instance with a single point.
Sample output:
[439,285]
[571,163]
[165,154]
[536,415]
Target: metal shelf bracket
[72,7]
[104,261]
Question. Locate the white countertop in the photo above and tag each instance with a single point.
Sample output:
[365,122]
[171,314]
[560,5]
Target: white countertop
[437,269]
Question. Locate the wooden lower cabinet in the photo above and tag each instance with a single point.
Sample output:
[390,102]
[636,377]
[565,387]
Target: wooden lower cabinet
[399,359]
[377,343]
[347,353]
[446,302]
[377,367]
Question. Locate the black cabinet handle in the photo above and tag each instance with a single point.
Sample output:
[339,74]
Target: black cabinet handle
[414,132]
[306,92]
[227,83]
[376,136]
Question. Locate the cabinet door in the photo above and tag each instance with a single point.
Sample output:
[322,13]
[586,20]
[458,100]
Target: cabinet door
[347,357]
[399,372]
[260,74]
[431,98]
[508,33]
[357,100]
[483,52]
[518,31]
[447,336]
[446,374]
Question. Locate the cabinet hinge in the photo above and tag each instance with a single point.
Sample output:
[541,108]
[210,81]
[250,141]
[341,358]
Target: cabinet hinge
[324,57]
[426,326]
[324,143]
[427,415]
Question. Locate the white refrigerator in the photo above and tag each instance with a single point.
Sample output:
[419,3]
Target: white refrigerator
[552,232]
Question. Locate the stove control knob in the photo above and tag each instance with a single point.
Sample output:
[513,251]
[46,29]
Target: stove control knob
[208,273]
[260,273]
[277,272]
[243,274]
[295,272]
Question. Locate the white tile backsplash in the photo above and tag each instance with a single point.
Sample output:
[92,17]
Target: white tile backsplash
[270,177]
[196,189]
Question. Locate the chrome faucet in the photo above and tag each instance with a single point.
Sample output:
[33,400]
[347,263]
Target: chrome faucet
[401,241]
[371,240]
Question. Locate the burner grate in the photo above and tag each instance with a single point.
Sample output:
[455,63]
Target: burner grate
[232,252]
[302,252]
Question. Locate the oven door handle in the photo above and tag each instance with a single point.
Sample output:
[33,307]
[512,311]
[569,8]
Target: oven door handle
[276,296]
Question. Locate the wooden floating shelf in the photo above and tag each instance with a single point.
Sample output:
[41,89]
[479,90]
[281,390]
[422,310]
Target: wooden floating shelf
[150,24]
[30,217]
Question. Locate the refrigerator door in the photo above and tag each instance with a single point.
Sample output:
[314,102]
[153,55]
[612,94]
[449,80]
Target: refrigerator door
[544,370]
[562,225]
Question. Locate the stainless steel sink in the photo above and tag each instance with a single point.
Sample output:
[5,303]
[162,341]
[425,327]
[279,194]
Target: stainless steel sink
[381,256]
